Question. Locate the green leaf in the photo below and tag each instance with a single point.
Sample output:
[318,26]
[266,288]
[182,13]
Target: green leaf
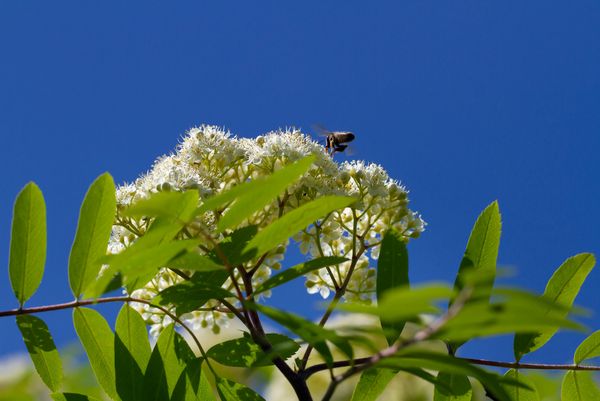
[579,386]
[98,341]
[372,383]
[401,304]
[509,311]
[297,271]
[190,295]
[170,205]
[232,391]
[132,353]
[589,348]
[261,192]
[193,384]
[410,358]
[232,246]
[312,333]
[562,288]
[42,350]
[458,388]
[93,232]
[139,264]
[517,393]
[72,397]
[244,352]
[480,255]
[195,262]
[27,242]
[167,361]
[292,222]
[392,272]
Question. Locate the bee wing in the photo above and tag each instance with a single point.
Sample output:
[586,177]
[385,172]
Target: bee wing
[320,130]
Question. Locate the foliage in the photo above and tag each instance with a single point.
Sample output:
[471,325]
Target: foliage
[195,242]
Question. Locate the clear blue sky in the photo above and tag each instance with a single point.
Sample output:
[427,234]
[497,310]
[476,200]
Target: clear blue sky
[465,102]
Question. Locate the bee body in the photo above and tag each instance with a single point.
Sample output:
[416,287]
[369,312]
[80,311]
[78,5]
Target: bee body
[337,141]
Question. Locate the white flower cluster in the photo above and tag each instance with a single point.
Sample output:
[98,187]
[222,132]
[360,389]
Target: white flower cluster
[211,161]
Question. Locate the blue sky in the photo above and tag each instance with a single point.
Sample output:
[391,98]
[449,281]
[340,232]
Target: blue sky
[465,102]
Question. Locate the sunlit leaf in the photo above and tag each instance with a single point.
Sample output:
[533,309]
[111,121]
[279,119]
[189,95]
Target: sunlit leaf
[292,222]
[458,388]
[562,288]
[372,383]
[191,295]
[42,350]
[172,205]
[232,391]
[446,363]
[193,384]
[579,386]
[392,272]
[72,397]
[98,341]
[481,254]
[312,333]
[232,247]
[261,192]
[27,242]
[527,392]
[244,352]
[137,266]
[297,271]
[167,361]
[589,348]
[93,232]
[195,262]
[132,353]
[403,303]
[509,311]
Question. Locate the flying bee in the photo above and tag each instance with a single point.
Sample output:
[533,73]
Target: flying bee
[336,141]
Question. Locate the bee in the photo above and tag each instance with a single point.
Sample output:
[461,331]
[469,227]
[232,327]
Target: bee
[336,141]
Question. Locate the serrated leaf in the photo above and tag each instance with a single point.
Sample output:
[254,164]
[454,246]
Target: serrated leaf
[132,353]
[261,192]
[42,350]
[481,254]
[414,301]
[98,341]
[457,388]
[372,383]
[294,221]
[579,386]
[562,288]
[517,393]
[232,391]
[168,360]
[589,348]
[72,397]
[169,205]
[244,352]
[312,333]
[392,272]
[27,242]
[93,232]
[297,271]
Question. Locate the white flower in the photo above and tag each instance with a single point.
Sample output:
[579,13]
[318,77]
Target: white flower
[211,160]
